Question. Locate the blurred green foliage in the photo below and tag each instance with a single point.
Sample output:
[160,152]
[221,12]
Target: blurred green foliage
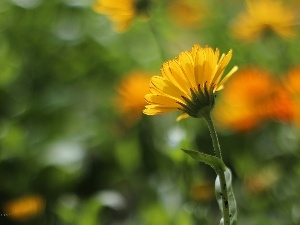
[62,137]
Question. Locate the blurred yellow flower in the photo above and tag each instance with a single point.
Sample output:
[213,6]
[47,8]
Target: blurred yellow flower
[186,13]
[131,91]
[188,83]
[250,99]
[292,84]
[120,12]
[263,16]
[25,207]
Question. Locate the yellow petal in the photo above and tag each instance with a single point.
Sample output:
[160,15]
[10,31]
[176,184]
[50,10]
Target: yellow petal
[172,72]
[224,61]
[232,71]
[182,116]
[161,100]
[154,109]
[165,87]
[221,66]
[187,64]
[195,49]
[199,69]
[209,65]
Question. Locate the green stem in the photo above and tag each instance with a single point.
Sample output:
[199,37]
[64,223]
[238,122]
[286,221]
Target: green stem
[217,149]
[213,135]
[157,39]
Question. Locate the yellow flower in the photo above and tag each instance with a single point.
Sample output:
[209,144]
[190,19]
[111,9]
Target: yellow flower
[25,207]
[186,13]
[131,91]
[188,83]
[120,12]
[263,16]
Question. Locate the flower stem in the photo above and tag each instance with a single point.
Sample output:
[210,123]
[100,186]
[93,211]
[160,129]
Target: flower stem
[217,149]
[157,39]
[213,135]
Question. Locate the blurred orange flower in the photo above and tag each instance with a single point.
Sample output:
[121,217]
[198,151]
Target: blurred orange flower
[280,108]
[203,191]
[292,84]
[25,207]
[189,83]
[120,12]
[251,98]
[186,13]
[263,16]
[262,180]
[131,91]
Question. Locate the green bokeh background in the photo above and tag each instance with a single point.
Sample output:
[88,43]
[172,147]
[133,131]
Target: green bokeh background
[62,137]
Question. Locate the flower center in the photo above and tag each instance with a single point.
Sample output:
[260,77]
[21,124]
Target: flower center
[201,101]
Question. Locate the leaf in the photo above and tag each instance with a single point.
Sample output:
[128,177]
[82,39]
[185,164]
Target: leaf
[213,161]
[231,199]
[218,165]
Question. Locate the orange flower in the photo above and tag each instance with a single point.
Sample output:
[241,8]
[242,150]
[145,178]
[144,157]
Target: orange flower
[251,98]
[292,84]
[280,108]
[292,81]
[25,207]
[186,13]
[263,16]
[131,91]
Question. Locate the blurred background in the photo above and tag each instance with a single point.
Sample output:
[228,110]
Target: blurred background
[75,147]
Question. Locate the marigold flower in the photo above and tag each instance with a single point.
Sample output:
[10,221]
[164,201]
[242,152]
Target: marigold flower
[250,99]
[263,16]
[188,83]
[238,107]
[292,84]
[120,12]
[281,105]
[25,207]
[131,91]
[186,13]
[292,81]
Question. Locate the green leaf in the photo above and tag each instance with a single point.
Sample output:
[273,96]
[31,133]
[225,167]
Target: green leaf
[231,199]
[213,161]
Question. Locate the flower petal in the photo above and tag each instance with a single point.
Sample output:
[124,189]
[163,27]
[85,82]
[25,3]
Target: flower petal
[161,100]
[167,88]
[155,109]
[187,64]
[228,75]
